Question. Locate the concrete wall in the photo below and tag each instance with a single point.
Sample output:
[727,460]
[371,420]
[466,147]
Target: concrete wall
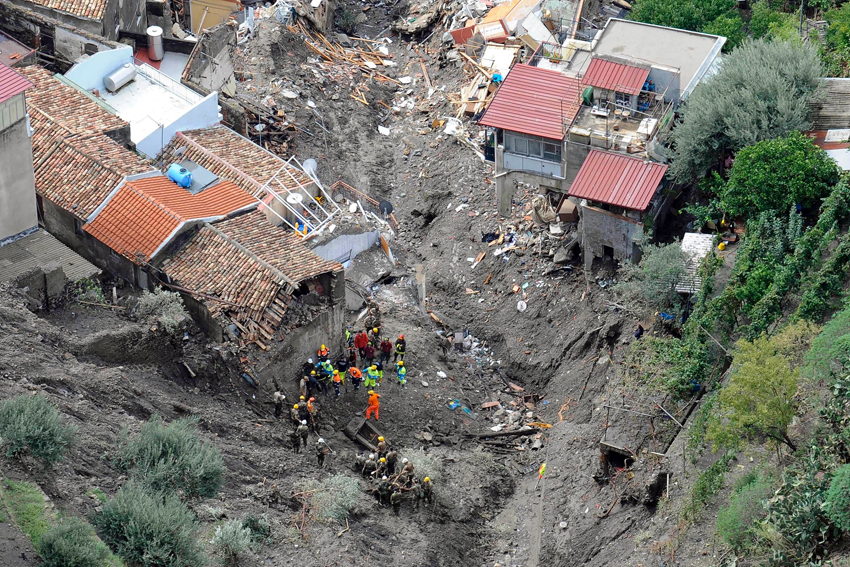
[89,74]
[72,45]
[210,65]
[603,228]
[201,115]
[285,365]
[60,223]
[17,183]
[344,248]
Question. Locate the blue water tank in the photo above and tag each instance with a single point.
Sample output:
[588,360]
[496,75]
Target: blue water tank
[179,175]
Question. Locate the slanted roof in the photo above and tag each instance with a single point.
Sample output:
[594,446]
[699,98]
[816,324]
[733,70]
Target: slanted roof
[248,263]
[77,173]
[617,180]
[617,76]
[11,83]
[831,110]
[535,101]
[230,156]
[145,214]
[62,104]
[89,9]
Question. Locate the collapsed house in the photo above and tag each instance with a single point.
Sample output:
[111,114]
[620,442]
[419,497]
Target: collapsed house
[605,99]
[213,219]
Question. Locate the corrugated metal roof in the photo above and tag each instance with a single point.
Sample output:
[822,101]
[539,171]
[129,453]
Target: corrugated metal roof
[620,77]
[618,180]
[11,83]
[534,101]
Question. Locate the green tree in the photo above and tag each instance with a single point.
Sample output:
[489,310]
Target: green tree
[829,356]
[730,26]
[838,498]
[768,21]
[838,32]
[762,91]
[759,398]
[683,14]
[651,284]
[775,174]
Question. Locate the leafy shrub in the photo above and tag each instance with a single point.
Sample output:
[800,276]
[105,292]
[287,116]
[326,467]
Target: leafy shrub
[173,457]
[231,541]
[670,365]
[829,356]
[747,505]
[165,307]
[838,498]
[88,289]
[335,498]
[826,282]
[347,21]
[150,528]
[651,285]
[71,543]
[31,423]
[258,526]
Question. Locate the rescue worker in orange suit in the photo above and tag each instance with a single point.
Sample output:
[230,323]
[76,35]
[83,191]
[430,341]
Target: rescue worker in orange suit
[374,405]
[323,353]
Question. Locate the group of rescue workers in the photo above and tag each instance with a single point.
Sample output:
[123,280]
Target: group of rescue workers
[390,486]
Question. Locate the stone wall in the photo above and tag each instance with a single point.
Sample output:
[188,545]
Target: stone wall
[603,228]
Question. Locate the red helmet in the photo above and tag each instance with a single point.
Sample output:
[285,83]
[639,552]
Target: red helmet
[401,337]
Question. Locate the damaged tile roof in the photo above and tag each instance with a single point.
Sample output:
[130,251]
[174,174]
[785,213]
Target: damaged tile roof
[229,155]
[248,264]
[78,172]
[535,101]
[623,77]
[89,9]
[617,179]
[67,106]
[146,213]
[11,83]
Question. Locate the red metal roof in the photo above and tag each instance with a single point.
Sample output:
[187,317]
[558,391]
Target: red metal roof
[535,101]
[620,77]
[11,83]
[618,180]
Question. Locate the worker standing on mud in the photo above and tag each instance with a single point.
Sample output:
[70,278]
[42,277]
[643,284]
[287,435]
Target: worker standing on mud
[395,500]
[392,458]
[302,431]
[314,382]
[360,342]
[400,348]
[302,386]
[379,369]
[322,451]
[374,405]
[303,412]
[314,414]
[386,349]
[401,372]
[342,364]
[369,466]
[374,336]
[356,376]
[381,447]
[369,353]
[337,382]
[293,413]
[279,399]
[372,376]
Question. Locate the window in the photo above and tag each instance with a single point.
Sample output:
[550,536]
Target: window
[78,227]
[533,146]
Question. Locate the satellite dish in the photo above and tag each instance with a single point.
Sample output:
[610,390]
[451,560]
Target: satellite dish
[385,207]
[310,166]
[294,199]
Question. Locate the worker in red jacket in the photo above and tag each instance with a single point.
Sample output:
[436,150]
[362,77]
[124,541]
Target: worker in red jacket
[360,342]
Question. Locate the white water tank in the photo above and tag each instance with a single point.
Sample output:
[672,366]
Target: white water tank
[117,79]
[155,50]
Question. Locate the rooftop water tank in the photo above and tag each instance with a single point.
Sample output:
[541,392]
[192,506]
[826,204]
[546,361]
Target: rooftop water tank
[180,175]
[155,49]
[119,77]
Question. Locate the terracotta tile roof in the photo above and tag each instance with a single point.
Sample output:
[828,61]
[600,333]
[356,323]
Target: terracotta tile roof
[78,172]
[89,9]
[228,155]
[618,180]
[621,77]
[11,83]
[69,107]
[535,101]
[249,264]
[144,214]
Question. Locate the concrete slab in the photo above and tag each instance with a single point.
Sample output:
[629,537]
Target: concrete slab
[39,250]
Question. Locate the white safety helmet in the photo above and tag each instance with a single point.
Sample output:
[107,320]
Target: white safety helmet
[321,440]
[310,360]
[303,422]
[404,461]
[384,477]
[371,455]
